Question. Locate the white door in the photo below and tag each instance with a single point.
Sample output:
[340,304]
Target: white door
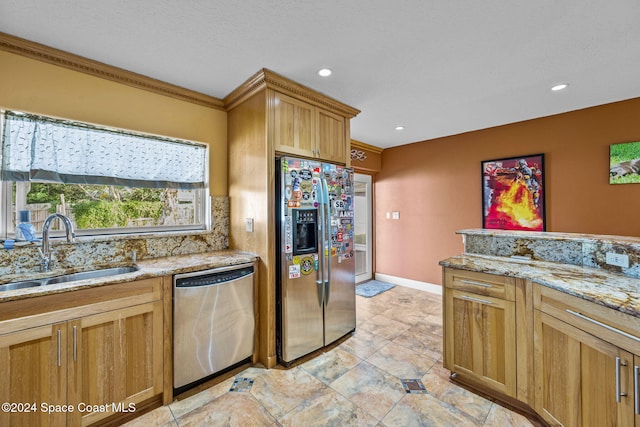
[363,229]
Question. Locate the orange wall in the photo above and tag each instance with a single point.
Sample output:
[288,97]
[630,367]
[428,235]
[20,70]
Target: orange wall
[436,185]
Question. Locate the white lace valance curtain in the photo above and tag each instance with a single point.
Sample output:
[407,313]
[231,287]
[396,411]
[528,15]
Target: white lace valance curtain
[46,149]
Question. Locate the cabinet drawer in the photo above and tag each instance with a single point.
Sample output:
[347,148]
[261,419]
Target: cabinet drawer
[608,324]
[480,283]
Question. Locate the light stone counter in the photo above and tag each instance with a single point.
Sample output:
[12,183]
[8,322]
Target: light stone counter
[611,290]
[153,267]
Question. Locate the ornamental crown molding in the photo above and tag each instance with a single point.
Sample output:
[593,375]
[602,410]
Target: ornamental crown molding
[366,147]
[267,79]
[40,52]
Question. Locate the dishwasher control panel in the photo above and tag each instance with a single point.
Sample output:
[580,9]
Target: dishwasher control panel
[210,277]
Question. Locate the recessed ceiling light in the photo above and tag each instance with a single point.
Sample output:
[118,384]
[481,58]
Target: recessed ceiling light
[399,127]
[324,72]
[560,87]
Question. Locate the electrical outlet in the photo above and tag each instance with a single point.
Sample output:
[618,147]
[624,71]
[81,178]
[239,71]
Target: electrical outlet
[620,260]
[249,225]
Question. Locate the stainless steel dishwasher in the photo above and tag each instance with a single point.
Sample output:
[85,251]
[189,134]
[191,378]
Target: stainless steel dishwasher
[213,322]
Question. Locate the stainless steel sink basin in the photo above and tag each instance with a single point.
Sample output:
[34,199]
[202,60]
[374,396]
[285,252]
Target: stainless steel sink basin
[73,277]
[20,285]
[93,274]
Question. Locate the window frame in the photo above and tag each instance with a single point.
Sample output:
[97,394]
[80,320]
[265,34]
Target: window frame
[203,212]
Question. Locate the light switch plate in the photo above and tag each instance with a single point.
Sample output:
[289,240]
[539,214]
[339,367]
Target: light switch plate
[620,260]
[249,225]
[395,215]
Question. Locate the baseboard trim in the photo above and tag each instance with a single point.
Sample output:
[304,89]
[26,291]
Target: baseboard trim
[408,283]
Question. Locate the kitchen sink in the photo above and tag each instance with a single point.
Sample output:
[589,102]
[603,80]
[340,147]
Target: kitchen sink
[93,274]
[20,285]
[72,277]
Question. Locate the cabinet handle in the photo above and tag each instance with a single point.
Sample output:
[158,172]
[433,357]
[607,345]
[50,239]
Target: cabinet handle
[75,342]
[636,386]
[604,325]
[481,301]
[618,392]
[59,350]
[471,282]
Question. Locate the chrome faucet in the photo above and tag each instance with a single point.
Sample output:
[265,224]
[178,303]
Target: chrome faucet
[45,252]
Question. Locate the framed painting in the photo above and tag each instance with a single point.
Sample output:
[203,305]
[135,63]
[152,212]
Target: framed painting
[513,193]
[624,163]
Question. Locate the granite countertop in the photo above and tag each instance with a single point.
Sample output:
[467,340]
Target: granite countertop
[148,268]
[611,290]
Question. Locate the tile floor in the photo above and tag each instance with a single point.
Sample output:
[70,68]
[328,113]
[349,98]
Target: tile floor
[356,383]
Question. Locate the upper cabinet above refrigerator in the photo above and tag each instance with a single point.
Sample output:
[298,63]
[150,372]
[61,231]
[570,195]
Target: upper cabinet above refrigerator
[302,129]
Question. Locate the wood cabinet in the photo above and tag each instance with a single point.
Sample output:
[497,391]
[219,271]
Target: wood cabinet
[103,357]
[301,129]
[574,362]
[480,329]
[584,362]
[269,116]
[32,374]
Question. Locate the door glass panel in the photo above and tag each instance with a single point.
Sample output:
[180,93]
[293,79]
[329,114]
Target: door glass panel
[362,232]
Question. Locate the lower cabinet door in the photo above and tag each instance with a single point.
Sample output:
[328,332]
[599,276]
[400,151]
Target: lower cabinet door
[480,339]
[580,379]
[115,361]
[33,376]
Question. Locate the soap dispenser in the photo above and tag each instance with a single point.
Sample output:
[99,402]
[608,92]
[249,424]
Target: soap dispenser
[25,230]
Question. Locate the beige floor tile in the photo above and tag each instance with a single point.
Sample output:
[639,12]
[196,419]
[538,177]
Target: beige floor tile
[421,410]
[328,409]
[499,417]
[363,343]
[371,388]
[282,390]
[401,362]
[181,407]
[420,339]
[437,383]
[331,365]
[161,417]
[385,327]
[372,305]
[235,409]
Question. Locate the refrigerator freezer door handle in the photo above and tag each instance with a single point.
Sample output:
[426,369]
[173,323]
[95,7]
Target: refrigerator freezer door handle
[321,231]
[320,289]
[327,288]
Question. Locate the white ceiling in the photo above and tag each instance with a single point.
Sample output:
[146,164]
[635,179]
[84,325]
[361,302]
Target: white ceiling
[437,67]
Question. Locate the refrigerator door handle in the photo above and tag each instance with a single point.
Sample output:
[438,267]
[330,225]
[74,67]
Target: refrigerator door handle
[327,227]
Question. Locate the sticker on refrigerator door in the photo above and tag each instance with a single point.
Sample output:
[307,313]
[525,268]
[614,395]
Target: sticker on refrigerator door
[306,174]
[338,204]
[288,235]
[307,265]
[294,271]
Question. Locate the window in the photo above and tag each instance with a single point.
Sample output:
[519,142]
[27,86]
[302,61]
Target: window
[105,180]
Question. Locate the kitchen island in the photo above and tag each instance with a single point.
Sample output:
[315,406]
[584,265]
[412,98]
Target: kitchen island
[539,320]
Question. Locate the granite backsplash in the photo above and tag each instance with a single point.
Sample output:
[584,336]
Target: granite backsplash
[587,250]
[105,250]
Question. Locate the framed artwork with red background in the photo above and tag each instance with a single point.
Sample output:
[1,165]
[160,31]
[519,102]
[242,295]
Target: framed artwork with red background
[513,193]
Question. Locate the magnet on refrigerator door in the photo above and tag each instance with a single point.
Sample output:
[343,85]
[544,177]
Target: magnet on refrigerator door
[294,271]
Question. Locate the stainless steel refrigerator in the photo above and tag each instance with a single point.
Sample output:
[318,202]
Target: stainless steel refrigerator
[316,266]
